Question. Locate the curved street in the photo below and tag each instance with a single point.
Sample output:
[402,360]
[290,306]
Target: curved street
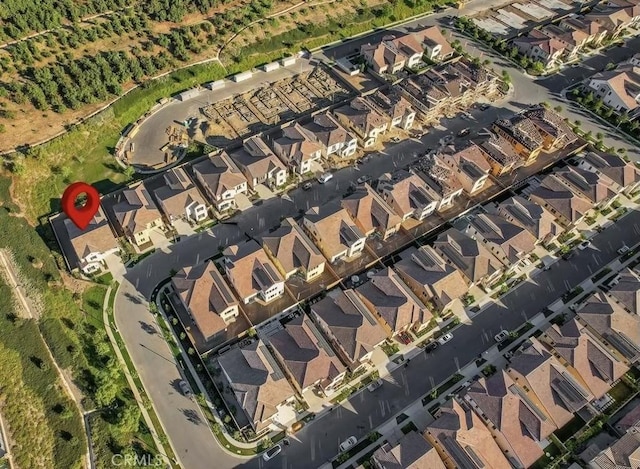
[191,438]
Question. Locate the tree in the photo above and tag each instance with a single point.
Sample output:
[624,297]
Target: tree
[129,171]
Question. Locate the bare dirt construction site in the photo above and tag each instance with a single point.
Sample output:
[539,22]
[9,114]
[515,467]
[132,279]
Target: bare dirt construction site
[270,105]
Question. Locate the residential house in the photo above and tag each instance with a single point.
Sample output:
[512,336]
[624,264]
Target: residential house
[463,440]
[333,138]
[393,303]
[442,180]
[520,426]
[252,274]
[631,8]
[594,32]
[501,155]
[522,134]
[568,207]
[597,369]
[479,82]
[539,47]
[334,232]
[469,165]
[367,123]
[469,256]
[608,320]
[625,175]
[411,452]
[627,290]
[509,242]
[137,215]
[259,164]
[179,198]
[92,245]
[307,357]
[532,217]
[446,88]
[574,39]
[548,383]
[613,20]
[426,96]
[623,453]
[291,250]
[597,188]
[556,133]
[619,89]
[351,328]
[394,106]
[454,84]
[221,181]
[207,298]
[371,213]
[258,384]
[436,47]
[408,195]
[392,54]
[297,148]
[430,277]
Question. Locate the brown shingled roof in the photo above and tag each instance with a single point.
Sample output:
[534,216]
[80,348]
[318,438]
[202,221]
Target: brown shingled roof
[307,357]
[352,326]
[206,294]
[291,246]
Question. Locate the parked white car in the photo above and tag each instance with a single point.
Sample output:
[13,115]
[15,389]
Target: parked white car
[348,444]
[624,249]
[501,336]
[325,178]
[445,338]
[584,245]
[374,385]
[271,452]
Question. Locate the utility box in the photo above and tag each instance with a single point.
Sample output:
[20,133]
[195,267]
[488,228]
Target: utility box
[271,67]
[242,76]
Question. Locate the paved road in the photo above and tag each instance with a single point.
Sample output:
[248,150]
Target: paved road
[318,443]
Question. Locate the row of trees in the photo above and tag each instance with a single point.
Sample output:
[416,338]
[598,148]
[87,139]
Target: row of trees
[21,17]
[29,51]
[70,83]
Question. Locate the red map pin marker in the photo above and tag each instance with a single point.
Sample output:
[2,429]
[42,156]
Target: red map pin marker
[81,216]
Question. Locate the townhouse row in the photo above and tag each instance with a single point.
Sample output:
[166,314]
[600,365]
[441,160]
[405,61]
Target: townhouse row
[563,42]
[506,420]
[213,187]
[619,89]
[346,328]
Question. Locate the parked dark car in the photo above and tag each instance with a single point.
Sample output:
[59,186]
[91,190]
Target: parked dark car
[431,347]
[306,186]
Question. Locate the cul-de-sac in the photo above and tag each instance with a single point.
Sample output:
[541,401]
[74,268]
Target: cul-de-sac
[331,234]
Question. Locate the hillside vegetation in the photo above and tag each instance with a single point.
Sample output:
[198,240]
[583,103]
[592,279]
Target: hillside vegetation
[44,423]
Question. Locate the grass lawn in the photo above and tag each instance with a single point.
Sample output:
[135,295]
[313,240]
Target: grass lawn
[620,392]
